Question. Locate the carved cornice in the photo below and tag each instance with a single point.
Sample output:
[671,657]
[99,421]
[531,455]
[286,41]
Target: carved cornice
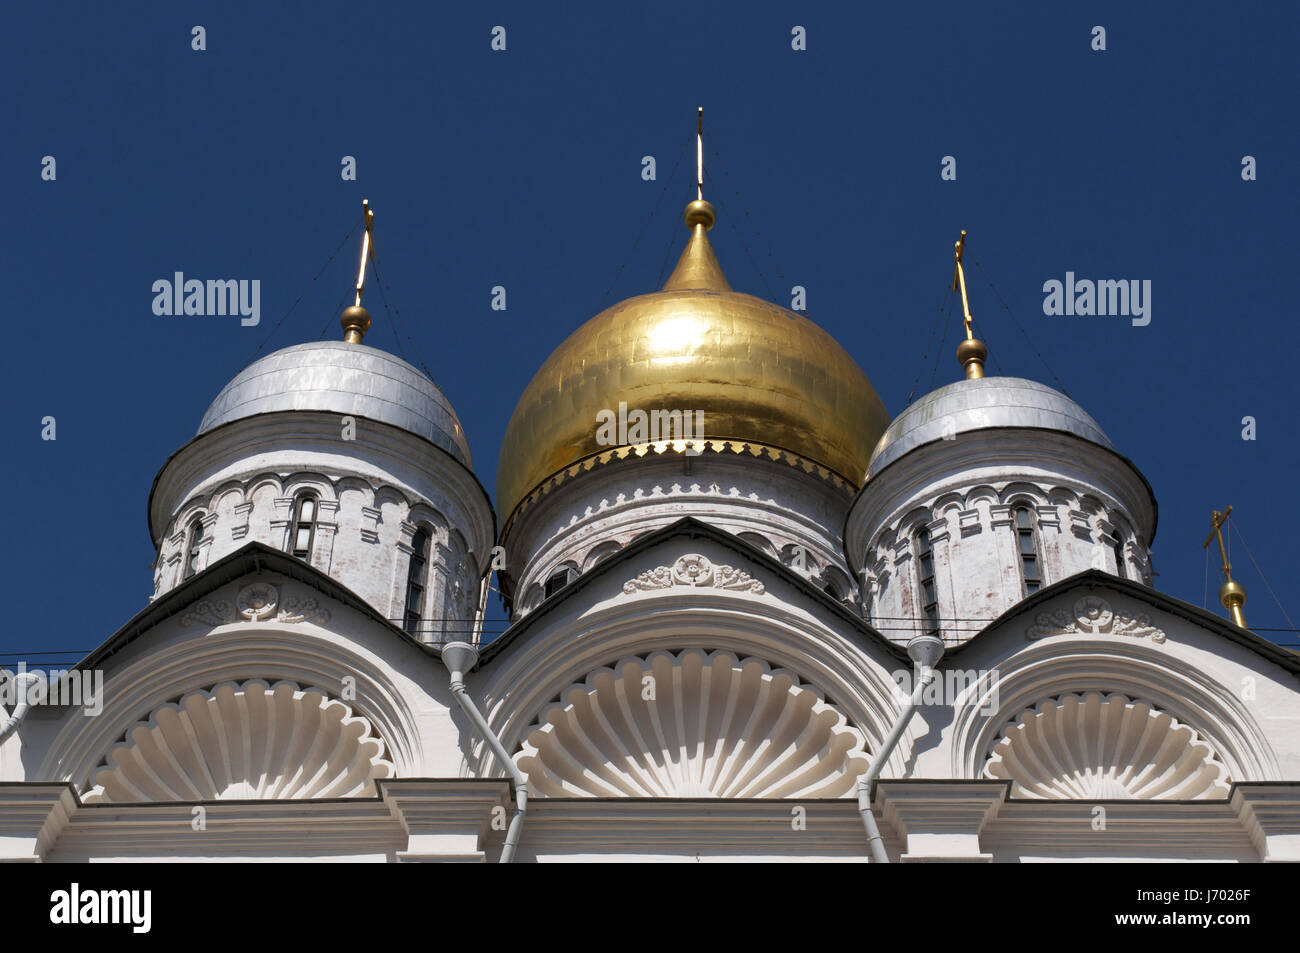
[669,448]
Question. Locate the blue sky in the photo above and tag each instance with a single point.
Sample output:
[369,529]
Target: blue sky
[523,169]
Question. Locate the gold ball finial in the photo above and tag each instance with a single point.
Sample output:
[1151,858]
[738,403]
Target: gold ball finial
[971,354]
[1232,594]
[356,322]
[700,212]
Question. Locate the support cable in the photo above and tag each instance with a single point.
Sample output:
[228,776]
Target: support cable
[631,251]
[1237,530]
[385,295]
[308,288]
[731,221]
[749,218]
[939,355]
[333,318]
[1007,308]
[925,358]
[383,298]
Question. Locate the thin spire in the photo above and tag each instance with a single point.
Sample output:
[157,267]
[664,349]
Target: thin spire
[356,319]
[699,156]
[971,352]
[698,268]
[1232,593]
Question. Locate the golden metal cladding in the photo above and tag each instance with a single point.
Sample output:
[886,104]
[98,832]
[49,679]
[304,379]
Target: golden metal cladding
[759,373]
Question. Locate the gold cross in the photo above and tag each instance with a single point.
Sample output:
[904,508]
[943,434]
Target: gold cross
[366,251]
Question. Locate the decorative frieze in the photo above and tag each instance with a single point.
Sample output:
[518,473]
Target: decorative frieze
[697,571]
[1093,615]
[258,602]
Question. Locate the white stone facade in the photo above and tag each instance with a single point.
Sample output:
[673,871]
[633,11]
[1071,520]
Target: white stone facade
[950,790]
[709,681]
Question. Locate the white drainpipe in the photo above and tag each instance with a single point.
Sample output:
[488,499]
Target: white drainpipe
[20,709]
[460,657]
[925,651]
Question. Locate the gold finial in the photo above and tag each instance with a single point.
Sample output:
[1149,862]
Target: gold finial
[699,155]
[970,352]
[356,319]
[698,267]
[1232,593]
[700,212]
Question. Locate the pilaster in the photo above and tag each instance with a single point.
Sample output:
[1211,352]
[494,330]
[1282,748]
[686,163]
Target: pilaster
[940,821]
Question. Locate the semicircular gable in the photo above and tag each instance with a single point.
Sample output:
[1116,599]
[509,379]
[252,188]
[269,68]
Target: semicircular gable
[237,653]
[1133,669]
[692,724]
[1096,746]
[243,741]
[850,673]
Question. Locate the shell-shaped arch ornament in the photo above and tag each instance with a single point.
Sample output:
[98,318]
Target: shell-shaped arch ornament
[692,725]
[244,741]
[1105,747]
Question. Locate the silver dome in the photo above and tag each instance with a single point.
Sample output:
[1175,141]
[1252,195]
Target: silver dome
[346,379]
[982,404]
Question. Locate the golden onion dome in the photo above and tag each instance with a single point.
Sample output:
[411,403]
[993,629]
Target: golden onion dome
[762,375]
